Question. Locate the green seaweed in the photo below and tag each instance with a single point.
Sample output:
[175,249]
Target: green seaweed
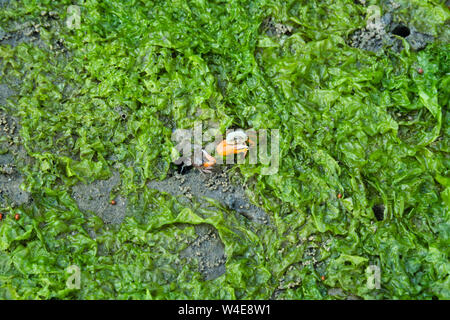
[363,125]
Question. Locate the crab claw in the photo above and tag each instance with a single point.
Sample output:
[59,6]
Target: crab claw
[225,149]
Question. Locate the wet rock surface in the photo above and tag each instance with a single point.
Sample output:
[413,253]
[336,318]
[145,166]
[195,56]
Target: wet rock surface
[208,250]
[12,153]
[10,179]
[95,197]
[216,186]
[30,31]
[26,32]
[275,29]
[418,40]
[387,31]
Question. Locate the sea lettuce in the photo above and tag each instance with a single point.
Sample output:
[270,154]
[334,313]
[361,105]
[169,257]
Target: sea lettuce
[363,177]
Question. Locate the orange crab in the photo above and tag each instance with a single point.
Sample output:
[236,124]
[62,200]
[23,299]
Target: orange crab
[234,144]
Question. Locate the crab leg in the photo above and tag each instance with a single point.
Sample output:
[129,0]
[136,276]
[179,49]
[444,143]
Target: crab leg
[210,160]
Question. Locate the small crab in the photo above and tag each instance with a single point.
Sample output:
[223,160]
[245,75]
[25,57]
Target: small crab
[235,143]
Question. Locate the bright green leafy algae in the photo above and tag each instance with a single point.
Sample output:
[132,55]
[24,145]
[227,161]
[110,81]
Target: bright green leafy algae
[367,126]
